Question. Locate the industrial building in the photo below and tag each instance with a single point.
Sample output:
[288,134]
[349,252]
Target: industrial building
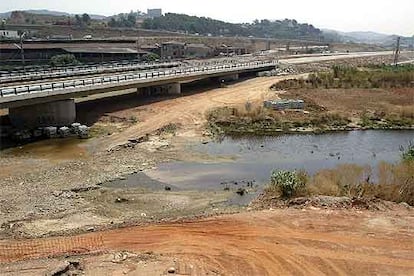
[8,34]
[198,51]
[42,52]
[172,50]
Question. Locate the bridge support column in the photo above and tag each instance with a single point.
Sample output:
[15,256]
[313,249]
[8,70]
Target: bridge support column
[58,113]
[174,88]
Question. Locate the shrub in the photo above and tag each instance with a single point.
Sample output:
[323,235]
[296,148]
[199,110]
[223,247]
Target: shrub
[63,60]
[408,154]
[288,183]
[150,57]
[344,180]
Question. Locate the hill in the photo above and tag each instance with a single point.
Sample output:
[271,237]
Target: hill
[288,29]
[369,38]
[50,13]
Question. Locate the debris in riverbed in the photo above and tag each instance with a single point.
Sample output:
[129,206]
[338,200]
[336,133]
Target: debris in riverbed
[241,191]
[121,200]
[284,104]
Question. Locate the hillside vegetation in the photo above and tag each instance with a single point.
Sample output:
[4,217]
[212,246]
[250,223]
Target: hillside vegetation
[265,28]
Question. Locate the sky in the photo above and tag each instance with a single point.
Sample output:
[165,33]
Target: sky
[385,16]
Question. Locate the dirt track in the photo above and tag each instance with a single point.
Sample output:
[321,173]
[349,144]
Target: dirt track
[291,241]
[189,110]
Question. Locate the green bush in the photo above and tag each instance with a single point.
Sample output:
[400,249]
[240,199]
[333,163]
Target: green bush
[63,60]
[288,183]
[408,154]
[150,57]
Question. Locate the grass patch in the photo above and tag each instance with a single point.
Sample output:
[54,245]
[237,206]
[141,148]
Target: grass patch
[395,182]
[168,129]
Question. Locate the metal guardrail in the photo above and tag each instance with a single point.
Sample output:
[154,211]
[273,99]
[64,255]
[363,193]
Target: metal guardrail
[79,70]
[35,88]
[48,68]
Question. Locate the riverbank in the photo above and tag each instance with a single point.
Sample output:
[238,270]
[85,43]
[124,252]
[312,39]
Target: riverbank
[357,109]
[342,99]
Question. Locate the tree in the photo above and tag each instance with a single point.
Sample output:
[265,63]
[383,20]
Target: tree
[78,20]
[63,60]
[112,22]
[131,19]
[86,19]
[150,57]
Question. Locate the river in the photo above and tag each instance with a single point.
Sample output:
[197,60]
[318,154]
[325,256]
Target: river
[253,159]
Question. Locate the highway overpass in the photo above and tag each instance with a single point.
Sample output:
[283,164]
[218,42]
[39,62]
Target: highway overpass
[51,102]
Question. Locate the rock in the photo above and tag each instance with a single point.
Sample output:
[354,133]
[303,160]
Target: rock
[57,193]
[241,191]
[83,132]
[171,270]
[167,188]
[406,205]
[50,132]
[121,200]
[298,201]
[64,132]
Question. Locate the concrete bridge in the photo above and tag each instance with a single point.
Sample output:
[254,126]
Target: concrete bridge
[52,102]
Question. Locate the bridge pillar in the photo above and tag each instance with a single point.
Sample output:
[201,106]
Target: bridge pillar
[174,88]
[58,113]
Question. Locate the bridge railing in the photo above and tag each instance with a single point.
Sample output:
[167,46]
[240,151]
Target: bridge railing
[39,73]
[35,88]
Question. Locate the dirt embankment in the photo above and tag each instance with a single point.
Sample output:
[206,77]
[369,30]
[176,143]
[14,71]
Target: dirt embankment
[309,241]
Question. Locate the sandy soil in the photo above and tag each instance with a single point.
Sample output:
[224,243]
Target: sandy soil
[289,242]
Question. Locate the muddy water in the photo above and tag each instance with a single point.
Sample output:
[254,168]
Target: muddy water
[255,158]
[52,150]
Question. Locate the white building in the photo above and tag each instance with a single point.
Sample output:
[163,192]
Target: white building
[152,13]
[8,34]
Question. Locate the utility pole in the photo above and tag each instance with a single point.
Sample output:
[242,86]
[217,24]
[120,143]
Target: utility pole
[22,49]
[397,51]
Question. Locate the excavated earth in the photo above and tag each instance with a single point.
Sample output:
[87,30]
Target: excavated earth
[293,241]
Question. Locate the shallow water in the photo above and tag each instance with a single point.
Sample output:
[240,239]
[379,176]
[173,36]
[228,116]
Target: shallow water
[255,158]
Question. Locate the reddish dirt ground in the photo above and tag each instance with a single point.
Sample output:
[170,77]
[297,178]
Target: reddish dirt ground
[289,242]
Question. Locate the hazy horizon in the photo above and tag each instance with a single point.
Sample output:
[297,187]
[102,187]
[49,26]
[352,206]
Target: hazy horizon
[380,16]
